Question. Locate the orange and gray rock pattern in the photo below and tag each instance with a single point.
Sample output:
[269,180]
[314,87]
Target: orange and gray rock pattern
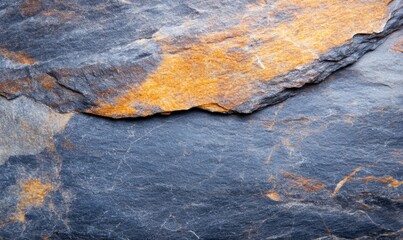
[324,164]
[126,58]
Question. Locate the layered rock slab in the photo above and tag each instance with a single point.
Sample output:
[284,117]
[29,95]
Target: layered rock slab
[325,164]
[137,58]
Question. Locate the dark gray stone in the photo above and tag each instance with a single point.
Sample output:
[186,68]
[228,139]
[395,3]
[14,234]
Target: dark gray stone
[325,164]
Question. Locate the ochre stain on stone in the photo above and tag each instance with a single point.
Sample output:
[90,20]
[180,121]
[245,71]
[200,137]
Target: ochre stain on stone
[13,87]
[307,184]
[47,82]
[31,7]
[273,196]
[386,180]
[32,194]
[221,70]
[398,46]
[345,180]
[63,16]
[17,57]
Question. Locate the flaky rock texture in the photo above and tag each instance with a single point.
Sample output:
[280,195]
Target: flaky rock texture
[325,164]
[125,58]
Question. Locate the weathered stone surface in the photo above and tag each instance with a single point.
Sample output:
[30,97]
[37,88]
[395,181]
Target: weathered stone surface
[325,164]
[126,58]
[27,127]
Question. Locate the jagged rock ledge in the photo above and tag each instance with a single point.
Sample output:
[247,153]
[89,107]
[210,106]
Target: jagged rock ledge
[129,59]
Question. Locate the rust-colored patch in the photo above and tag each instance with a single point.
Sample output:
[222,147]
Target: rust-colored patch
[345,180]
[398,46]
[17,57]
[308,184]
[223,68]
[46,81]
[386,180]
[31,7]
[13,87]
[273,196]
[62,15]
[33,194]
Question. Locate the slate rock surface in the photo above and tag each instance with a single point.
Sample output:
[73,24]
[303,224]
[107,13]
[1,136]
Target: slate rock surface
[125,58]
[324,164]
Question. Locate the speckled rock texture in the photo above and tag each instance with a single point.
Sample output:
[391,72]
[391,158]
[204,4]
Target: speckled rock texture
[324,164]
[126,58]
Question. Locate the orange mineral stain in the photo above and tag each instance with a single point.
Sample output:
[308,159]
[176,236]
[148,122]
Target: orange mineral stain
[386,180]
[398,46]
[307,184]
[33,194]
[345,180]
[273,196]
[221,70]
[17,57]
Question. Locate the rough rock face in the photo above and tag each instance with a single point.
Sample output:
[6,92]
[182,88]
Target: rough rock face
[126,58]
[27,127]
[325,164]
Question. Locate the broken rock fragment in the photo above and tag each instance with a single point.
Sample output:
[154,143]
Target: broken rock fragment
[130,59]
